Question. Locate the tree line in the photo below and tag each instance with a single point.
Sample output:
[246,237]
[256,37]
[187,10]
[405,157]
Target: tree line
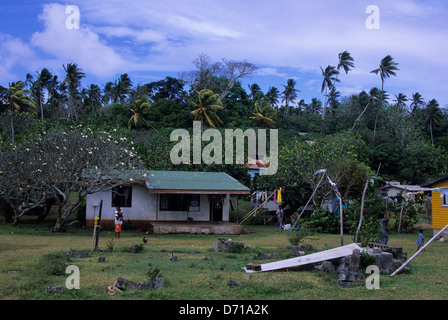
[403,135]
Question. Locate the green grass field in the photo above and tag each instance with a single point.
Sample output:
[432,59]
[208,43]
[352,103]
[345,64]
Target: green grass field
[25,265]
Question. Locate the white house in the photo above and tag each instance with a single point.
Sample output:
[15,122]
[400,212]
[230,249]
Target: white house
[170,201]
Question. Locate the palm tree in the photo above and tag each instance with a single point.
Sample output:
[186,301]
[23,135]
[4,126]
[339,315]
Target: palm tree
[42,82]
[18,99]
[28,80]
[141,104]
[121,88]
[374,96]
[255,91]
[264,113]
[433,116]
[73,80]
[400,100]
[314,106]
[289,94]
[386,69]
[333,102]
[207,107]
[330,77]
[92,97]
[301,105]
[273,95]
[417,100]
[346,62]
[55,98]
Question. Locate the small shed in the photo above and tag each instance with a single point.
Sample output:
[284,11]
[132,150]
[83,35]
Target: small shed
[439,202]
[171,201]
[392,191]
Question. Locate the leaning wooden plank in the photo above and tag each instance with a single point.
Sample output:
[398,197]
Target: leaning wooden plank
[308,259]
[418,252]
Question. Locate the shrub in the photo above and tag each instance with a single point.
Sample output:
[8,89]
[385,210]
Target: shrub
[236,247]
[366,260]
[297,237]
[110,245]
[152,274]
[369,230]
[54,263]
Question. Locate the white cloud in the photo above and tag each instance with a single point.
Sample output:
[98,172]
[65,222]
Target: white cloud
[81,46]
[13,51]
[287,39]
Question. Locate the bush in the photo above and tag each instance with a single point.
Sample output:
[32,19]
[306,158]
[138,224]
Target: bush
[297,237]
[152,274]
[323,221]
[369,231]
[54,263]
[366,260]
[236,247]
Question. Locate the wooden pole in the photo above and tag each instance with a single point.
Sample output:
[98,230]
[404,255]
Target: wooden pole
[341,221]
[362,208]
[401,212]
[418,252]
[312,195]
[254,210]
[98,226]
[94,228]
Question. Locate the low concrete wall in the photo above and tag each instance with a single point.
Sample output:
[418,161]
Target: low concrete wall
[165,227]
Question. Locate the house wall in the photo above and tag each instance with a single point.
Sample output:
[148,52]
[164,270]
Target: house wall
[145,208]
[439,211]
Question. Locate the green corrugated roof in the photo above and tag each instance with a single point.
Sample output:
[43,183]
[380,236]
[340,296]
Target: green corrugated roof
[179,180]
[190,180]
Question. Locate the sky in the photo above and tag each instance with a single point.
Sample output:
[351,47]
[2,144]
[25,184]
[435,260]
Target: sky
[285,39]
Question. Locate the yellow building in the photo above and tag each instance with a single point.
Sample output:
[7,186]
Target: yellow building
[439,203]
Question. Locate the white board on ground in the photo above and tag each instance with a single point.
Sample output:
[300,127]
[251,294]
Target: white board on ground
[309,258]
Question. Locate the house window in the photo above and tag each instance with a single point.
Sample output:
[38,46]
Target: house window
[122,197]
[444,201]
[179,202]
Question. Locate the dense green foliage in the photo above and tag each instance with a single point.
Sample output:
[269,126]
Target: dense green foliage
[404,138]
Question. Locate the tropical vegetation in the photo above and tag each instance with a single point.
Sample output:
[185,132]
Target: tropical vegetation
[395,136]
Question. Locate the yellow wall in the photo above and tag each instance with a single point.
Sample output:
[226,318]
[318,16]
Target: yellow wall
[439,213]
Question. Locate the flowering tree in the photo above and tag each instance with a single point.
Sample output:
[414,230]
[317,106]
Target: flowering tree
[68,164]
[17,184]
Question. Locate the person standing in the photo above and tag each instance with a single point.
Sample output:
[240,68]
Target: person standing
[280,217]
[420,240]
[118,222]
[384,237]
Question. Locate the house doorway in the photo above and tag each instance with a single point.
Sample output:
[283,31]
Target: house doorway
[215,207]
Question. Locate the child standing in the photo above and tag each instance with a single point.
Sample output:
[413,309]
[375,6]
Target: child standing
[420,240]
[280,217]
[118,222]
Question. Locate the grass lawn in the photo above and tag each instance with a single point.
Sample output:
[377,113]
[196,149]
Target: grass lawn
[24,267]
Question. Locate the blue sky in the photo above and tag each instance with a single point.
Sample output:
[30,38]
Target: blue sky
[285,39]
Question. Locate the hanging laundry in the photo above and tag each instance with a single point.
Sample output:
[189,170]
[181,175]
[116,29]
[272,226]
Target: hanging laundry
[275,196]
[279,196]
[334,204]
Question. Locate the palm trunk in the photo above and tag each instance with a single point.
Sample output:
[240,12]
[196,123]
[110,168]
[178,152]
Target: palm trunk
[378,111]
[359,117]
